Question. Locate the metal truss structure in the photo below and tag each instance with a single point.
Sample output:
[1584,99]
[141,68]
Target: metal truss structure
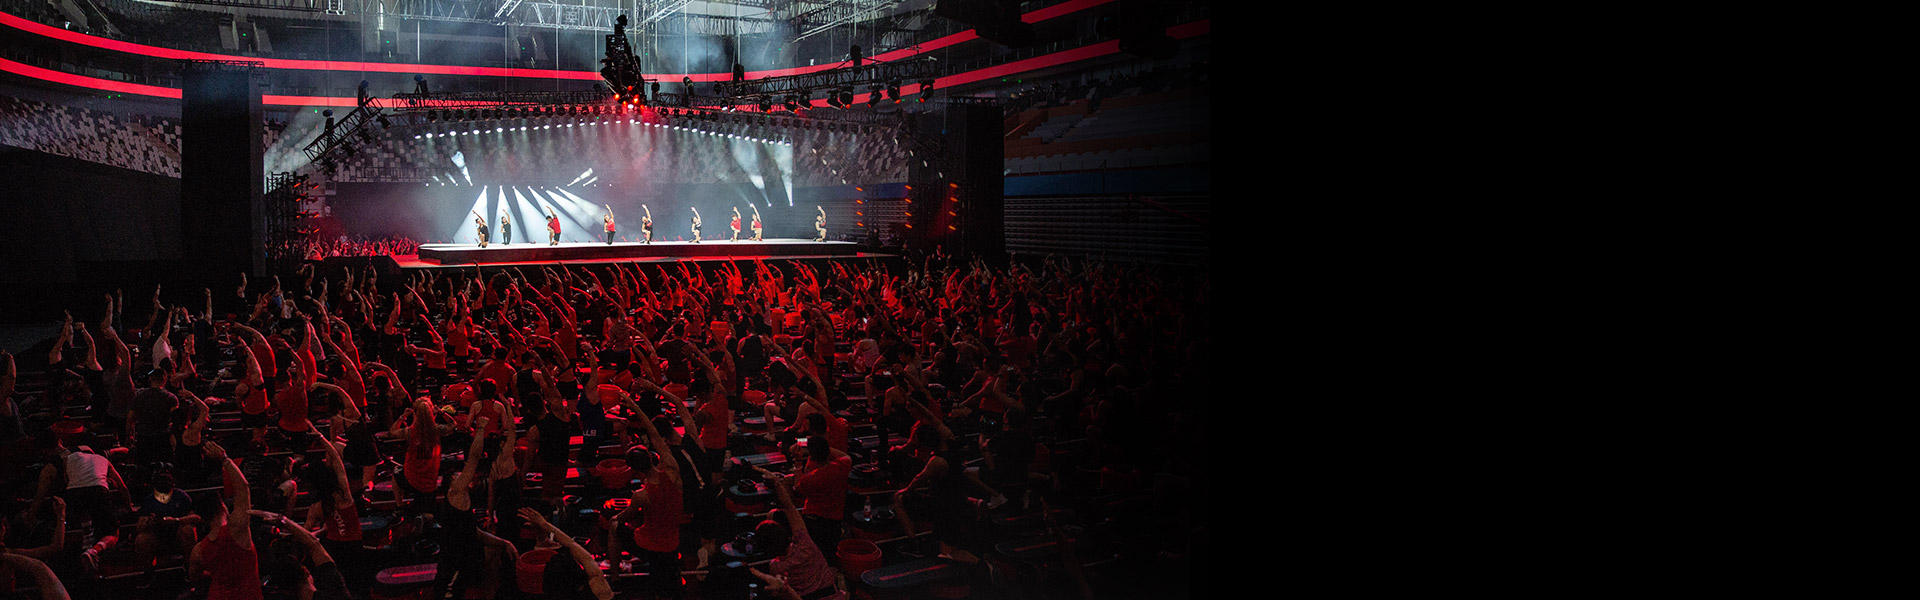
[287,220]
[413,103]
[810,17]
[837,13]
[874,74]
[336,146]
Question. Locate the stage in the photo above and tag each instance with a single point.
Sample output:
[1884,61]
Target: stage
[433,256]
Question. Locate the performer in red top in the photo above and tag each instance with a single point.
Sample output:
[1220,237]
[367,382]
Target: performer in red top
[226,555]
[553,229]
[736,225]
[756,222]
[608,219]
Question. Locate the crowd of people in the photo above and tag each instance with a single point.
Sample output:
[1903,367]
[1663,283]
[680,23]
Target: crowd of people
[318,249]
[672,430]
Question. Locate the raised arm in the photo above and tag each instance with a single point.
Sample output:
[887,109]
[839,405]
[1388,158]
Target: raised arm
[44,580]
[504,465]
[237,516]
[458,491]
[199,424]
[315,550]
[596,580]
[783,490]
[655,441]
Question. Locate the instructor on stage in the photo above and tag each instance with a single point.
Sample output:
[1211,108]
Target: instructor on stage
[608,219]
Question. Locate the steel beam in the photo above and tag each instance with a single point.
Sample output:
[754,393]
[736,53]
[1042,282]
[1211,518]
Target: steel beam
[904,71]
[659,10]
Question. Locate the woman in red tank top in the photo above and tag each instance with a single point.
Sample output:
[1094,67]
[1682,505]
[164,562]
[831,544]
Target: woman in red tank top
[657,502]
[226,554]
[421,469]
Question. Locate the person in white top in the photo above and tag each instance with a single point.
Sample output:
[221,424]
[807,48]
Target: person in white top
[89,477]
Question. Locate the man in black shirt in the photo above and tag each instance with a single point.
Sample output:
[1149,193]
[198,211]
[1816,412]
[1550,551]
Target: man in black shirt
[152,420]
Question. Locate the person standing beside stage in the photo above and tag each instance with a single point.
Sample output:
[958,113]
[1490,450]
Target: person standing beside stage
[506,229]
[756,222]
[696,224]
[481,223]
[608,219]
[646,223]
[553,229]
[736,225]
[820,224]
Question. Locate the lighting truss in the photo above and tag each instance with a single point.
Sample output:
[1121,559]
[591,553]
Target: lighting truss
[659,10]
[411,103]
[839,13]
[295,5]
[875,74]
[548,15]
[332,148]
[717,107]
[506,10]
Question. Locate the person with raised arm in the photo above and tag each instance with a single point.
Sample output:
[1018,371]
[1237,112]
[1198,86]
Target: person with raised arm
[324,580]
[506,229]
[463,550]
[756,222]
[553,228]
[333,511]
[187,440]
[420,470]
[226,554]
[480,228]
[735,225]
[558,585]
[607,219]
[292,401]
[800,561]
[251,383]
[820,225]
[551,437]
[696,224]
[646,223]
[658,537]
[699,468]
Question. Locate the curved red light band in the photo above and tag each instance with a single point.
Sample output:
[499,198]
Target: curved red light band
[107,85]
[1183,31]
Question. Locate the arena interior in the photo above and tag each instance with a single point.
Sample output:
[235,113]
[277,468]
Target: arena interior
[512,299]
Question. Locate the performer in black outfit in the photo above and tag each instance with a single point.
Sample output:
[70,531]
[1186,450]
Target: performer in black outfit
[696,224]
[506,229]
[646,223]
[481,223]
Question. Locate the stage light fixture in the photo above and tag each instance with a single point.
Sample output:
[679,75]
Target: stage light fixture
[873,96]
[893,91]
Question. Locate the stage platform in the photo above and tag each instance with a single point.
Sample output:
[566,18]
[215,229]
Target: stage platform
[572,252]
